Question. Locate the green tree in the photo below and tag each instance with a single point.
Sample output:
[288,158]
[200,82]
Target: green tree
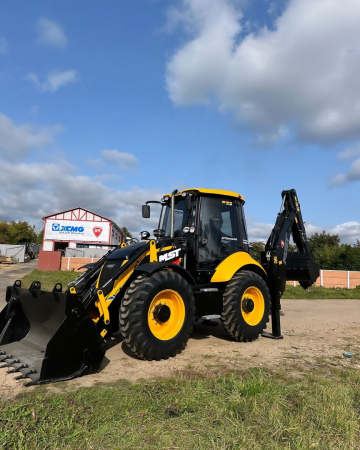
[321,240]
[21,232]
[348,258]
[255,250]
[40,237]
[330,255]
[5,236]
[126,232]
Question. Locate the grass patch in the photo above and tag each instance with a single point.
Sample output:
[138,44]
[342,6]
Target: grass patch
[254,409]
[49,278]
[318,292]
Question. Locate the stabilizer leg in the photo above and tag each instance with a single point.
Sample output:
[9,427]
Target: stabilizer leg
[275,322]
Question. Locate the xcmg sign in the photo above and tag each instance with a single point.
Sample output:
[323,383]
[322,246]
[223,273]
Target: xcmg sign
[66,230]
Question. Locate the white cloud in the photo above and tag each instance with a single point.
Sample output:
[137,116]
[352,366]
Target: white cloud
[301,77]
[49,33]
[350,153]
[54,80]
[17,140]
[123,160]
[348,232]
[353,174]
[258,231]
[31,191]
[3,46]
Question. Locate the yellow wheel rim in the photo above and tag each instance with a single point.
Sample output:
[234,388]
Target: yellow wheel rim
[252,306]
[166,314]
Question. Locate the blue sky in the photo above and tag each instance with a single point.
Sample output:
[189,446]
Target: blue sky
[107,104]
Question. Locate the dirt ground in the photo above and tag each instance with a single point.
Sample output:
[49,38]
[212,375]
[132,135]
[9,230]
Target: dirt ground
[312,329]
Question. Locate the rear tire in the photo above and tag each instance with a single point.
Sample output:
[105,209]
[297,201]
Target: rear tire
[246,306]
[157,315]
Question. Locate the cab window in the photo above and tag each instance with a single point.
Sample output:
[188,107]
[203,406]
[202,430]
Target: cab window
[219,231]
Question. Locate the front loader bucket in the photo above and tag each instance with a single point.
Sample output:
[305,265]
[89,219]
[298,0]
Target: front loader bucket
[301,267]
[48,336]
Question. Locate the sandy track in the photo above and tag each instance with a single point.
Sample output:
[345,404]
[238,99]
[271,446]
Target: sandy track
[311,329]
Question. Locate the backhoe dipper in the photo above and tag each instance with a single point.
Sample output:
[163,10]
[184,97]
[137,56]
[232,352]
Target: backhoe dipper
[197,265]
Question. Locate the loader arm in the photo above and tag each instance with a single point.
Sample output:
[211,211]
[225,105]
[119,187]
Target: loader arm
[53,336]
[281,265]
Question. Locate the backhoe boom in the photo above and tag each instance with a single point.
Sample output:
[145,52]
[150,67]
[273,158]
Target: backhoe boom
[281,265]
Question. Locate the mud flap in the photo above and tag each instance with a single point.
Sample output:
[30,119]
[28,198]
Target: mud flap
[48,336]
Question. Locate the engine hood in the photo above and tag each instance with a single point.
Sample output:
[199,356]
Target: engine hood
[125,252]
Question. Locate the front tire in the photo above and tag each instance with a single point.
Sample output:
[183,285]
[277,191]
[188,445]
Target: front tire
[246,306]
[157,315]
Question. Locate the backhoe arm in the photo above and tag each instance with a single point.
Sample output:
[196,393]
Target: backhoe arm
[280,265]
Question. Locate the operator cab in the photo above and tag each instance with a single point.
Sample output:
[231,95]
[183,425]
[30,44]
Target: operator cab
[211,222]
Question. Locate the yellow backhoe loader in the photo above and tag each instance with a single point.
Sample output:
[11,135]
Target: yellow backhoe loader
[198,264]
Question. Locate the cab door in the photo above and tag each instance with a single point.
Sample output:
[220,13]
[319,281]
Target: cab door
[220,231]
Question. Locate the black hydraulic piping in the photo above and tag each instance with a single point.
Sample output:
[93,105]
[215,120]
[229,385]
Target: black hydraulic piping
[121,269]
[172,212]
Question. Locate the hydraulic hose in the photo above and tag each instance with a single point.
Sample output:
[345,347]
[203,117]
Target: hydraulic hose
[172,218]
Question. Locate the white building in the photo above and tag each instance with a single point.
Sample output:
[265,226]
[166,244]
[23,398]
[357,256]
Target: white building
[79,228]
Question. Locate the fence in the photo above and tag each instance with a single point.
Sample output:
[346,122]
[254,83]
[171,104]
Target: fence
[85,252]
[68,263]
[336,278]
[15,252]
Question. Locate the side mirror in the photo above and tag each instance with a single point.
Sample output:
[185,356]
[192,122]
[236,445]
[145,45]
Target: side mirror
[146,211]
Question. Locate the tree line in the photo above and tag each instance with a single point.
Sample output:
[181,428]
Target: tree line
[20,232]
[328,252]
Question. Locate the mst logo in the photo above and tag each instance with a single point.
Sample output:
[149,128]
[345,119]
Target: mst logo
[171,255]
[66,228]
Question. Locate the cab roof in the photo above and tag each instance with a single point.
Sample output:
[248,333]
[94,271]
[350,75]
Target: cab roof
[219,192]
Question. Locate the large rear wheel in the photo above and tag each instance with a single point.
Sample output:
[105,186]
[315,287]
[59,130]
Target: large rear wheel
[246,306]
[157,315]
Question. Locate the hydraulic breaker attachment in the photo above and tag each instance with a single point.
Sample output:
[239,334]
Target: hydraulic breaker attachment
[48,336]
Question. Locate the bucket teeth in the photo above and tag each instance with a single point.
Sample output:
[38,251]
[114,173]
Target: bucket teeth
[4,357]
[9,362]
[25,374]
[18,366]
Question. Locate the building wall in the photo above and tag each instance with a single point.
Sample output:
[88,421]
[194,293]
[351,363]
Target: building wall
[79,227]
[117,236]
